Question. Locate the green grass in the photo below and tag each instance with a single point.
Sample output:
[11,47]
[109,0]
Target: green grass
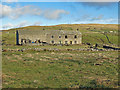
[93,35]
[46,47]
[60,69]
[8,37]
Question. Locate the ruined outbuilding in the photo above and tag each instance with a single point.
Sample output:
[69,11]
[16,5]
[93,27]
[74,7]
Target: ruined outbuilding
[38,37]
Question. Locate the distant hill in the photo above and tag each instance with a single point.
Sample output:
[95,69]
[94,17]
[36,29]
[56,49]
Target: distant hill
[91,33]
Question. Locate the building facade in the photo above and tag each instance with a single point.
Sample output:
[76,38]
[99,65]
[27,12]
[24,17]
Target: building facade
[25,37]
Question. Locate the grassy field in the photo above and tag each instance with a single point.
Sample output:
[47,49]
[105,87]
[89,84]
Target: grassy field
[62,69]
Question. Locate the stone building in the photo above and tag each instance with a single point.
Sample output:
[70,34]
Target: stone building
[24,37]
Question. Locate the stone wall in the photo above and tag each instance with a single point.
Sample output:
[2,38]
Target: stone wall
[49,37]
[33,38]
[64,39]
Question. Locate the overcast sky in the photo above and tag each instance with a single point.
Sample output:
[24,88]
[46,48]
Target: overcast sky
[20,14]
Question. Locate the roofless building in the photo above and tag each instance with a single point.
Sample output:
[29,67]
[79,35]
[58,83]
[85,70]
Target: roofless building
[29,37]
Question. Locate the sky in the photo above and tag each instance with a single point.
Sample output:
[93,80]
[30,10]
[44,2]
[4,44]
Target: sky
[19,14]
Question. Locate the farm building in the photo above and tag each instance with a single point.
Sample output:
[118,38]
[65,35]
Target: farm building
[25,37]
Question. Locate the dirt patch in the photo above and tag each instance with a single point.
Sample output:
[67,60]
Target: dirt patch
[13,61]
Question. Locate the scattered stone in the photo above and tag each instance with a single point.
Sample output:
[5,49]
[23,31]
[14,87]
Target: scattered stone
[52,53]
[97,64]
[13,60]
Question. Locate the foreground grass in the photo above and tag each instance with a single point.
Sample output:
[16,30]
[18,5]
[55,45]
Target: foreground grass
[45,47]
[60,69]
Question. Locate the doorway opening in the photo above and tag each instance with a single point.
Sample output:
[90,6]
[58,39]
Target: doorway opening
[70,42]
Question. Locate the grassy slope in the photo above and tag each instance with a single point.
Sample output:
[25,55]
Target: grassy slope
[60,69]
[91,33]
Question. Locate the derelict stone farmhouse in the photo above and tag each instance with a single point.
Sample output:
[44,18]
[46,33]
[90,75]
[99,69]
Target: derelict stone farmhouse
[29,37]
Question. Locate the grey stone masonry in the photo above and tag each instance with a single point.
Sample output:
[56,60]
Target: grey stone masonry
[39,37]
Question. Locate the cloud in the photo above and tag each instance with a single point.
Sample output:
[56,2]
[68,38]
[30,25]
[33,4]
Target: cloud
[10,0]
[56,14]
[84,17]
[110,20]
[21,24]
[100,21]
[89,17]
[98,5]
[6,10]
[37,23]
[97,18]
[25,10]
[95,4]
[107,21]
[10,25]
[17,12]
